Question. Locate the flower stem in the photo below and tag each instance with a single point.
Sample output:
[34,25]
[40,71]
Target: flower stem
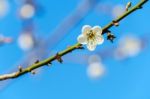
[48,61]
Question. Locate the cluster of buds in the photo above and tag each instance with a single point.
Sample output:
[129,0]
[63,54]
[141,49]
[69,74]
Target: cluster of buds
[110,36]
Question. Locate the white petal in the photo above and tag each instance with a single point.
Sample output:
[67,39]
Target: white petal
[82,39]
[99,39]
[91,45]
[86,28]
[97,29]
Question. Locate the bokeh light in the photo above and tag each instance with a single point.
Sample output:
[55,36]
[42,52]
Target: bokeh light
[25,41]
[4,8]
[27,11]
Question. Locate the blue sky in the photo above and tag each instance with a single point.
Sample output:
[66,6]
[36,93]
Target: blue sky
[128,79]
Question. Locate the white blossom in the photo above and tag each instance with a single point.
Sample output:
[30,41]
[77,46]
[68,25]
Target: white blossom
[25,41]
[4,8]
[129,46]
[95,70]
[91,36]
[27,11]
[118,10]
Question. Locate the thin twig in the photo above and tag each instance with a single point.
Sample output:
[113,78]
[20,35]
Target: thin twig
[69,49]
[136,7]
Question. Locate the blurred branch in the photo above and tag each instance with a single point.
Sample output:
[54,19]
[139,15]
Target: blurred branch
[58,56]
[5,40]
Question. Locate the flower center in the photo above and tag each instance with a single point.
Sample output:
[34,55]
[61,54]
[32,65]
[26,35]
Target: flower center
[91,34]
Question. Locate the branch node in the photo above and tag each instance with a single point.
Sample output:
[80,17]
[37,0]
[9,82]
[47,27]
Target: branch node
[37,61]
[58,58]
[139,7]
[79,47]
[115,23]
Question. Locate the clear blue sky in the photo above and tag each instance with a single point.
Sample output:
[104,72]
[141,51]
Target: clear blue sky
[129,79]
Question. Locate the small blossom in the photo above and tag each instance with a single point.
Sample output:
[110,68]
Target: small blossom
[118,10]
[27,11]
[4,8]
[92,36]
[129,46]
[26,41]
[96,70]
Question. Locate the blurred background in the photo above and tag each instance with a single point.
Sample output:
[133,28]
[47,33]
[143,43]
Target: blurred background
[37,29]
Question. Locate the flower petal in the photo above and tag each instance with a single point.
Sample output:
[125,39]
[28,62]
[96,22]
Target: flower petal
[97,29]
[91,45]
[99,39]
[86,28]
[82,39]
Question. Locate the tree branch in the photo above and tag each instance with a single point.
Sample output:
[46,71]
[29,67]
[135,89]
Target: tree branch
[136,7]
[58,56]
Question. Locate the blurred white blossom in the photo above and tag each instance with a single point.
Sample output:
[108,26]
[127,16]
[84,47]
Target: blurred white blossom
[25,41]
[91,36]
[4,7]
[118,10]
[95,69]
[129,46]
[27,11]
[94,58]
